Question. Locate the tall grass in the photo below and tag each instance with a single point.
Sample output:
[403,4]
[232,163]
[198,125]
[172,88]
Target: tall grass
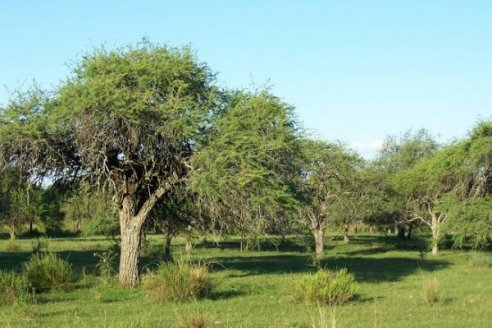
[430,291]
[327,287]
[14,288]
[178,281]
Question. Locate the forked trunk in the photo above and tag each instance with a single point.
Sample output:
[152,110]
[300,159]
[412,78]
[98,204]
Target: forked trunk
[319,236]
[130,229]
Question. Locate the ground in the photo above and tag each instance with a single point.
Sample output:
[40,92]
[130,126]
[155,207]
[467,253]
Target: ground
[254,288]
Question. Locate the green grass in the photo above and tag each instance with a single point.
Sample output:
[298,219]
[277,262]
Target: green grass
[253,289]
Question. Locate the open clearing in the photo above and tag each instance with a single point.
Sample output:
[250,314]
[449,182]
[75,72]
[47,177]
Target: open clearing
[254,289]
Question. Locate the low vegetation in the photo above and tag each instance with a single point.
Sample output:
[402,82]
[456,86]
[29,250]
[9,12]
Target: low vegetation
[14,288]
[327,287]
[178,281]
[47,271]
[255,288]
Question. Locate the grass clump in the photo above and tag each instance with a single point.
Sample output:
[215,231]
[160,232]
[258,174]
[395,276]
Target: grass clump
[430,291]
[327,287]
[14,288]
[47,271]
[178,281]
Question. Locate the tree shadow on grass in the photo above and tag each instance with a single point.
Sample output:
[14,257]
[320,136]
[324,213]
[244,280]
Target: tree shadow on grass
[365,269]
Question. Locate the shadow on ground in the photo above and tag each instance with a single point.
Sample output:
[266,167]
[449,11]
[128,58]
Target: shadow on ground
[366,269]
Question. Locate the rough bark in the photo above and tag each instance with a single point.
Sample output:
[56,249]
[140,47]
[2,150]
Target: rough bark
[130,228]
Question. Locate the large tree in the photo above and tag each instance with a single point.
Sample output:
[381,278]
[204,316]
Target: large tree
[127,120]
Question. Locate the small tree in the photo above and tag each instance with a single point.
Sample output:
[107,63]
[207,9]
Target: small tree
[244,172]
[329,173]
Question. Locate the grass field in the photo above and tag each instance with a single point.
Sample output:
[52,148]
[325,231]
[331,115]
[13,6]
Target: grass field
[254,289]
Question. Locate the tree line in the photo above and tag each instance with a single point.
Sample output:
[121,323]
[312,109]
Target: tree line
[143,138]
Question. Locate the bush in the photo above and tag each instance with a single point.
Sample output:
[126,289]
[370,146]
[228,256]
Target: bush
[178,281]
[14,288]
[327,287]
[430,290]
[46,271]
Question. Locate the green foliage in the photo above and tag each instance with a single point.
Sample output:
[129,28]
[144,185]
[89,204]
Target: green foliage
[245,170]
[40,245]
[105,264]
[327,287]
[470,223]
[47,271]
[12,246]
[481,260]
[178,281]
[14,288]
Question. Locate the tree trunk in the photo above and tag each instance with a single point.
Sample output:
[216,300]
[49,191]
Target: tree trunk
[319,236]
[30,226]
[400,232]
[167,245]
[435,235]
[346,233]
[12,232]
[130,249]
[130,228]
[370,229]
[409,231]
[189,239]
[131,221]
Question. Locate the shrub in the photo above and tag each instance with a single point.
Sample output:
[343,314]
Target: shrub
[13,288]
[46,271]
[327,287]
[105,264]
[178,281]
[430,290]
[40,245]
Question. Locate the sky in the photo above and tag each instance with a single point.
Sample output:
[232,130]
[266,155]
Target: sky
[356,71]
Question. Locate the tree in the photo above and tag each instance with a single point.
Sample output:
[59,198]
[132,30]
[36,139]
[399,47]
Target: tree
[329,174]
[127,121]
[244,171]
[469,206]
[397,154]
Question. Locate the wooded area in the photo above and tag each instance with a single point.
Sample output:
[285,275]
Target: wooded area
[143,140]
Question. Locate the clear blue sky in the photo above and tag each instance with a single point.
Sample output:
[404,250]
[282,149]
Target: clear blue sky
[355,70]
